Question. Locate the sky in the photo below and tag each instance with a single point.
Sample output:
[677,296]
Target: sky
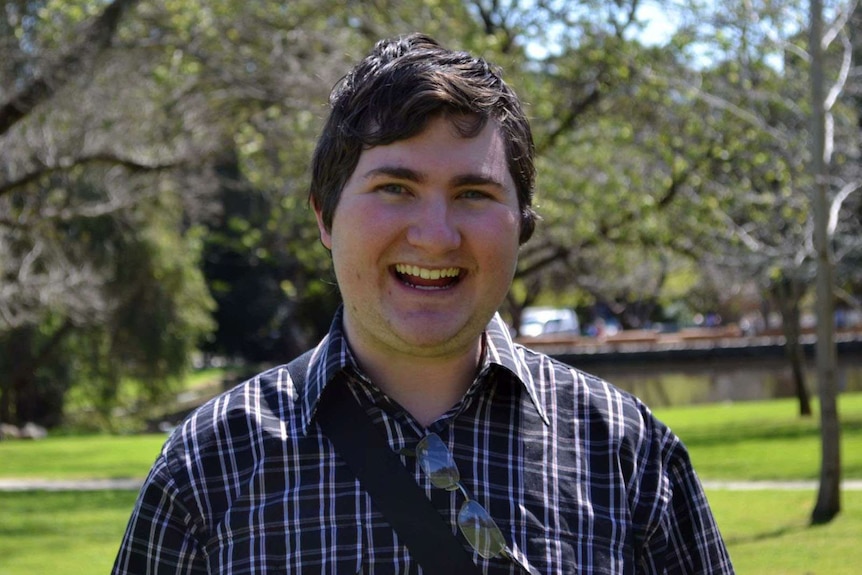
[659,26]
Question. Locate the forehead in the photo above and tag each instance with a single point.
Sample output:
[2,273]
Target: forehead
[441,148]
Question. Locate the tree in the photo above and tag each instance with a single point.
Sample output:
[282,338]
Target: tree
[76,59]
[138,309]
[596,104]
[659,167]
[829,495]
[753,217]
[758,85]
[100,268]
[192,108]
[809,198]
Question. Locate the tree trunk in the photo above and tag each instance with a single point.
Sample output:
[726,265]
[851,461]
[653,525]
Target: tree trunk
[829,496]
[31,395]
[5,400]
[789,292]
[855,27]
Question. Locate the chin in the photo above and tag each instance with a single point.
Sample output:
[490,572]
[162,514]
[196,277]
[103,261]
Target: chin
[434,343]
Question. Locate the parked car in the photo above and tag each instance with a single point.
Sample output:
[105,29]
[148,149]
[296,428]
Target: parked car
[544,320]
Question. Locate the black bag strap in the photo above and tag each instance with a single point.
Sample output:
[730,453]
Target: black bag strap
[392,488]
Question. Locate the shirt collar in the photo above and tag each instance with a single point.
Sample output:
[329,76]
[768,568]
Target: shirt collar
[501,351]
[333,356]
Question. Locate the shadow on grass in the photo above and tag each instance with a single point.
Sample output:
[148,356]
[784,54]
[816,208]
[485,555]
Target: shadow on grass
[804,428]
[776,533]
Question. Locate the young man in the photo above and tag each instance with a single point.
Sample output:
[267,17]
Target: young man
[422,185]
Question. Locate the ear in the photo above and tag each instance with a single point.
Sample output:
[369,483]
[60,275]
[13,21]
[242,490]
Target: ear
[325,235]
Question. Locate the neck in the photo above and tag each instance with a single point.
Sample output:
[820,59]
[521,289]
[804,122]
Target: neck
[426,387]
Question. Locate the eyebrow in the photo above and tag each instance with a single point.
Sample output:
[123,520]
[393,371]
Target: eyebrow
[411,175]
[398,172]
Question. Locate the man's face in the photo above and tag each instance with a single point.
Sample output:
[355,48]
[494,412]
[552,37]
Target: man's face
[424,241]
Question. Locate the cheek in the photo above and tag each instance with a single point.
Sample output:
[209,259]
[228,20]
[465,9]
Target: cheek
[500,235]
[351,258]
[505,252]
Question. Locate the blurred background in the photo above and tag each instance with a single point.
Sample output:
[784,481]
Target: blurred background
[153,172]
[700,186]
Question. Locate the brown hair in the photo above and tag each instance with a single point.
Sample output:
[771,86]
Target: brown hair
[393,93]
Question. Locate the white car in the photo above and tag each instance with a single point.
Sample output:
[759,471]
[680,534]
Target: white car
[543,320]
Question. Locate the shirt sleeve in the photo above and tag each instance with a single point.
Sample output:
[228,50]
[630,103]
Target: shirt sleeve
[160,538]
[685,538]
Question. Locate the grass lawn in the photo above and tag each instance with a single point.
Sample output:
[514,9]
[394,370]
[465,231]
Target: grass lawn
[56,533]
[762,440]
[70,457]
[748,440]
[767,531]
[70,533]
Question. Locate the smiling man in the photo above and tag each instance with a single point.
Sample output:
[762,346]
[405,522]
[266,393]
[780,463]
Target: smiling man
[424,241]
[422,185]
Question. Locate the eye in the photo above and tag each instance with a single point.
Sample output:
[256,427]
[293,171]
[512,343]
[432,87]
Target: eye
[473,194]
[392,189]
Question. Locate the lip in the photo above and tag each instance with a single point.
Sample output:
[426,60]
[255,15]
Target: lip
[427,278]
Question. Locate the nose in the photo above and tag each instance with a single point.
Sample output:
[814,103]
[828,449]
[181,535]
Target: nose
[433,227]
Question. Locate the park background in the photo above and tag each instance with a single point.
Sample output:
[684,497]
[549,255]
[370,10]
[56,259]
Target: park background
[155,243]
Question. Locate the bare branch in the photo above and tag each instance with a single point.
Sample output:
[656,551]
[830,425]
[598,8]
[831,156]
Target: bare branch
[841,82]
[741,113]
[839,25]
[106,157]
[835,208]
[570,118]
[80,56]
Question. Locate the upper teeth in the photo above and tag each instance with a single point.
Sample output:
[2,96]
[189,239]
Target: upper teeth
[427,274]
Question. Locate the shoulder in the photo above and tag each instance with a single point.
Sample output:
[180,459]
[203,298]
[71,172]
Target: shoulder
[217,448]
[588,409]
[579,398]
[554,377]
[265,405]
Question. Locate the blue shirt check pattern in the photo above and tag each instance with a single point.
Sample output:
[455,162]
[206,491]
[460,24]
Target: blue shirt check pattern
[579,475]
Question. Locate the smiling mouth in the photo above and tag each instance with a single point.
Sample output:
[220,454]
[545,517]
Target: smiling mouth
[427,278]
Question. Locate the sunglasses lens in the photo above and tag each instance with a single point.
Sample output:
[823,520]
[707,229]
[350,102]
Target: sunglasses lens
[480,530]
[437,462]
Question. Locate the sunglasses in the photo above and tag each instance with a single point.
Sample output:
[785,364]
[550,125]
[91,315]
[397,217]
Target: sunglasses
[475,522]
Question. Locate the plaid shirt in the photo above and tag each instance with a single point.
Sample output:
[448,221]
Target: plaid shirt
[579,476]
